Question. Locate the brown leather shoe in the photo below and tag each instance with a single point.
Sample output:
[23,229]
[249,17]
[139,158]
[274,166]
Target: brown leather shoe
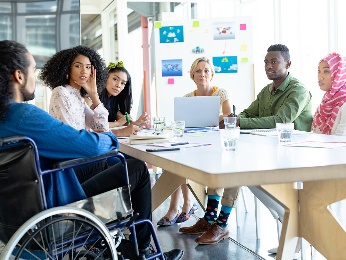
[200,227]
[213,235]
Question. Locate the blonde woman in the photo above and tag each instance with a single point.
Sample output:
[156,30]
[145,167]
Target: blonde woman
[202,73]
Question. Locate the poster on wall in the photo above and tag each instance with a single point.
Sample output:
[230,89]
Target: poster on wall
[172,68]
[171,34]
[224,31]
[225,64]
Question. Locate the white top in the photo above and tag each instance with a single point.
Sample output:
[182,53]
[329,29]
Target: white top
[67,105]
[339,127]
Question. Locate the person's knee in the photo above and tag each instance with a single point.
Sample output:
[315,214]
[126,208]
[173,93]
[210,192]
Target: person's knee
[139,167]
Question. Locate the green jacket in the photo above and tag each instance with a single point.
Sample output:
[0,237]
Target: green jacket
[291,102]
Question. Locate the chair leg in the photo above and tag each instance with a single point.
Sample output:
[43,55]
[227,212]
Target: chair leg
[244,199]
[245,206]
[257,217]
[236,216]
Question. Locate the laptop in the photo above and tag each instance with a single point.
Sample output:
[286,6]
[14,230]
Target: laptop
[199,111]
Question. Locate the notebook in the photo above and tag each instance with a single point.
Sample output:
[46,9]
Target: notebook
[197,111]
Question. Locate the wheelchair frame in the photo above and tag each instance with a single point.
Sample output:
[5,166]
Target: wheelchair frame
[110,229]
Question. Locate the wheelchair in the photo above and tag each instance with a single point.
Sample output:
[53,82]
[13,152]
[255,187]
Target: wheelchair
[90,228]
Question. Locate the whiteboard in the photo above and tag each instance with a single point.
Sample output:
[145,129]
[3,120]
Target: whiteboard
[227,42]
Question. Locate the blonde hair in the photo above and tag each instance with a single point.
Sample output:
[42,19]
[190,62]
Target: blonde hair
[195,63]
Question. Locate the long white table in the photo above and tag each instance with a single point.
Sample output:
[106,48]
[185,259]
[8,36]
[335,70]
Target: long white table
[260,161]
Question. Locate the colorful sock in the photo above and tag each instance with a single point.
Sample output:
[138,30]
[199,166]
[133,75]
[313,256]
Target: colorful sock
[223,216]
[212,207]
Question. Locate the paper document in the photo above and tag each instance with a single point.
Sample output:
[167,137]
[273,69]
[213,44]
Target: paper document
[269,132]
[316,144]
[145,137]
[169,144]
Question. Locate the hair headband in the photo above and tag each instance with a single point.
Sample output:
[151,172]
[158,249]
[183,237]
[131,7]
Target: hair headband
[113,65]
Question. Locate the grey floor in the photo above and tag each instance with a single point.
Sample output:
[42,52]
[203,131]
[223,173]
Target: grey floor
[243,243]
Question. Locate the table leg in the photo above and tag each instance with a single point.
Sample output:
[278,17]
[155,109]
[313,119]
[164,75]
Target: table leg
[317,225]
[169,182]
[164,187]
[199,192]
[288,197]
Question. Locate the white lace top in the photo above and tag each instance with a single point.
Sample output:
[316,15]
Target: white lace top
[67,105]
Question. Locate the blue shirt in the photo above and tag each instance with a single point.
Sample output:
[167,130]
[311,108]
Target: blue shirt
[56,140]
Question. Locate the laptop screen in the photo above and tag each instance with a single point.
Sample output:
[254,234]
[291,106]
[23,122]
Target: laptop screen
[198,111]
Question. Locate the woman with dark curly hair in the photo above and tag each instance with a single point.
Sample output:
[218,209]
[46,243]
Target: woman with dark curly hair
[72,74]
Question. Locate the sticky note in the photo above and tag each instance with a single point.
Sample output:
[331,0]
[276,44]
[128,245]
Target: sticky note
[195,24]
[243,47]
[244,60]
[158,24]
[243,26]
[170,81]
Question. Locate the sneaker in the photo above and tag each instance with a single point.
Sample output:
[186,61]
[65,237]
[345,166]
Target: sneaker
[201,226]
[185,216]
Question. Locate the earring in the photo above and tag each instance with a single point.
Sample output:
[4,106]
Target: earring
[66,76]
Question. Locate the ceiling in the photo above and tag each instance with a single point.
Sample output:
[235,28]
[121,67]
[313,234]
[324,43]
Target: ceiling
[91,9]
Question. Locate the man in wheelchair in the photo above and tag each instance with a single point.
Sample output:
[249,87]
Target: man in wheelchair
[58,141]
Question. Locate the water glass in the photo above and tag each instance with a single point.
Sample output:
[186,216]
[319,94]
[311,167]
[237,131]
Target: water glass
[229,137]
[230,121]
[285,131]
[159,124]
[178,128]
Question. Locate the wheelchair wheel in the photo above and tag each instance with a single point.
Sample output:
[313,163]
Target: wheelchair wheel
[61,233]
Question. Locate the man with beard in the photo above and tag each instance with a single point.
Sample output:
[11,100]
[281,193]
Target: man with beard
[58,141]
[285,100]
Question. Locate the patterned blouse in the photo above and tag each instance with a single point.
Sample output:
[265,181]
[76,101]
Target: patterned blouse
[67,105]
[221,92]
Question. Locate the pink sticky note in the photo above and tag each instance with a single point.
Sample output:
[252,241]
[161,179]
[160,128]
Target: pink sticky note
[171,81]
[243,26]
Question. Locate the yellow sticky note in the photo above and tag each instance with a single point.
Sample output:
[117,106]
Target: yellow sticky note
[195,24]
[158,24]
[244,60]
[243,47]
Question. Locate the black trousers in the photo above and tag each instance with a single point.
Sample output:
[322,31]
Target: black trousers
[97,178]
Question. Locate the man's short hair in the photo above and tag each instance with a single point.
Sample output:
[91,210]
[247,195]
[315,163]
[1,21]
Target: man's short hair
[285,52]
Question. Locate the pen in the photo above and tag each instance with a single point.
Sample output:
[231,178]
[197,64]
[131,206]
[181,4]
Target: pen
[175,144]
[234,114]
[127,118]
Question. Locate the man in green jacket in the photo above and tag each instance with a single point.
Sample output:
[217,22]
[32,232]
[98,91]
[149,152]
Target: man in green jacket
[284,100]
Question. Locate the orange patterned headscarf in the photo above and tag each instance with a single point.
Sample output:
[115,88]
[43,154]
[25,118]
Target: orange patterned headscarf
[335,97]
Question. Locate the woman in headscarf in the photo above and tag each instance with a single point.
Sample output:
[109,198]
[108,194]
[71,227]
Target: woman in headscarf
[330,116]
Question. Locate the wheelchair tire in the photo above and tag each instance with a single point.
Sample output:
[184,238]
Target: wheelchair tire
[61,233]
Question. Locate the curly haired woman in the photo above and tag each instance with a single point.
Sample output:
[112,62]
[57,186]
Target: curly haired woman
[72,74]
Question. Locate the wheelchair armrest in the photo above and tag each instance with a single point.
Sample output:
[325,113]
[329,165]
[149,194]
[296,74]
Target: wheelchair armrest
[12,139]
[81,161]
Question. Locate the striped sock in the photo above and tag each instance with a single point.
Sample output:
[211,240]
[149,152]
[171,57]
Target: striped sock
[223,216]
[212,207]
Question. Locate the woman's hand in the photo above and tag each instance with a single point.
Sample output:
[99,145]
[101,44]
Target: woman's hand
[143,120]
[91,88]
[127,131]
[90,85]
